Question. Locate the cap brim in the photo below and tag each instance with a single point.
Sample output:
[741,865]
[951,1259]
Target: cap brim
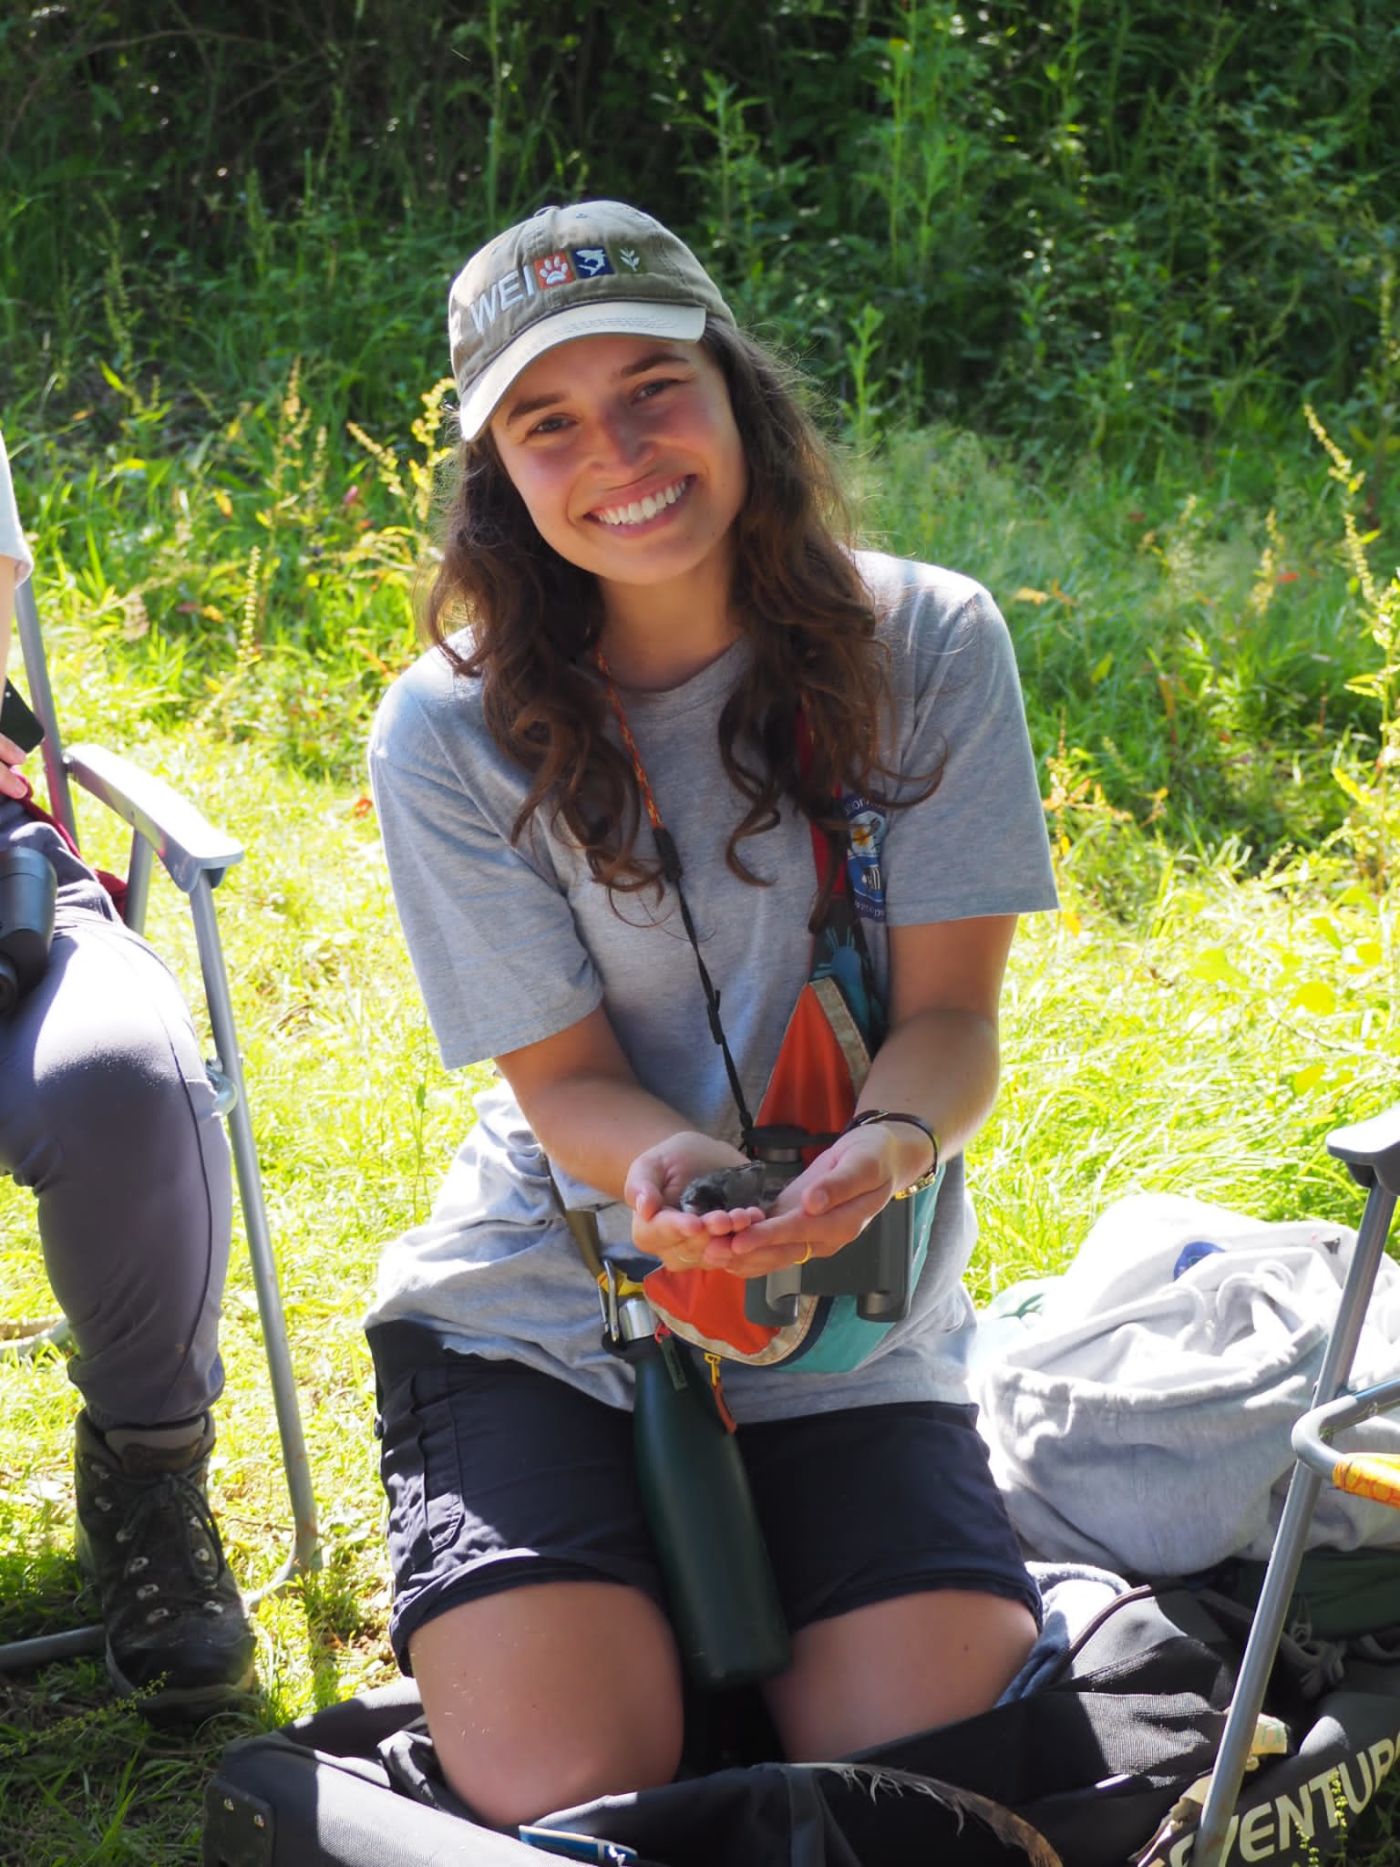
[617,317]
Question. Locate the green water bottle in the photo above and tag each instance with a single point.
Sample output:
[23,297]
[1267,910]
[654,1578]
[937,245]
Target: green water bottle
[724,1602]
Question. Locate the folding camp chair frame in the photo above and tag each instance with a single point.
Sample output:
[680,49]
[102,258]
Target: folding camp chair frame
[1371,1152]
[196,856]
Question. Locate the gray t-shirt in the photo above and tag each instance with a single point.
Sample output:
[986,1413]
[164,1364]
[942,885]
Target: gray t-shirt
[513,943]
[12,539]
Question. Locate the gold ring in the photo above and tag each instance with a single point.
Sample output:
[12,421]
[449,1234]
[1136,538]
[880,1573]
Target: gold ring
[805,1255]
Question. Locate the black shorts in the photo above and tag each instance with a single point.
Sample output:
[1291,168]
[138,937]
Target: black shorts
[498,1476]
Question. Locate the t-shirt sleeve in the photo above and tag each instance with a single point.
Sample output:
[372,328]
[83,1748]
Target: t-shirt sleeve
[488,925]
[978,844]
[12,541]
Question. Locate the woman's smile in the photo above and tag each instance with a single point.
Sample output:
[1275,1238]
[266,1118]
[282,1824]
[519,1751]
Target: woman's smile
[637,514]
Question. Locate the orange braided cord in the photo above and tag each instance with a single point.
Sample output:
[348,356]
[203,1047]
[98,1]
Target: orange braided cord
[615,699]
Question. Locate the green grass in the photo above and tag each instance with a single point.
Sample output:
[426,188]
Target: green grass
[1218,993]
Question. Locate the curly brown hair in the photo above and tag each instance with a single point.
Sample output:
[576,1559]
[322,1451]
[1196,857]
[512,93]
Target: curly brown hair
[533,620]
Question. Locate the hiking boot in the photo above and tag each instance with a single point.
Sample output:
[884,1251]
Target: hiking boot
[177,1631]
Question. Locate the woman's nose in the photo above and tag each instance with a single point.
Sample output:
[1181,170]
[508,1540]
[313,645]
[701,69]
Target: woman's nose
[621,438]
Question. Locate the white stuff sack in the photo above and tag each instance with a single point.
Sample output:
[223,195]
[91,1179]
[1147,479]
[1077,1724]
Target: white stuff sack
[1138,1408]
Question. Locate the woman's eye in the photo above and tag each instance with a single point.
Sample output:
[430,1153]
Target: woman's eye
[647,390]
[552,424]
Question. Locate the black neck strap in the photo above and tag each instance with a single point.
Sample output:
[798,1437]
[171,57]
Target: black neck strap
[672,872]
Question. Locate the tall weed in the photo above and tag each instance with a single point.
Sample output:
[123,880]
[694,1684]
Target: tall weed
[1364,764]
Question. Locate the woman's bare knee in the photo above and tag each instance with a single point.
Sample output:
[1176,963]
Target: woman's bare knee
[895,1667]
[549,1695]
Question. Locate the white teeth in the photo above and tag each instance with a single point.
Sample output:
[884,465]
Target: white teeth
[641,510]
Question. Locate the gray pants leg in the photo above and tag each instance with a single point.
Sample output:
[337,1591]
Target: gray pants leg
[106,1112]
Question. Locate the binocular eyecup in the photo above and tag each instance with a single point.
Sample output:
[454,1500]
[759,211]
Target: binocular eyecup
[28,892]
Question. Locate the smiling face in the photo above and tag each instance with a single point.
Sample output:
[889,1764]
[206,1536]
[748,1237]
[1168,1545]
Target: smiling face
[625,452]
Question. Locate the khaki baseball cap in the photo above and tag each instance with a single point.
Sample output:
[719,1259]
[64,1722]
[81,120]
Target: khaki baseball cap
[598,268]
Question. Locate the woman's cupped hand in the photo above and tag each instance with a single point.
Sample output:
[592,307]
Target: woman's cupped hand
[829,1203]
[684,1241]
[825,1207]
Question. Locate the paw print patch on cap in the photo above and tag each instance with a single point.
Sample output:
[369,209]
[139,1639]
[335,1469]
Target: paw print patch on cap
[554,269]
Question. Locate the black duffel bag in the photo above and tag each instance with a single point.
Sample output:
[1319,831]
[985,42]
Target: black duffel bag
[1083,1772]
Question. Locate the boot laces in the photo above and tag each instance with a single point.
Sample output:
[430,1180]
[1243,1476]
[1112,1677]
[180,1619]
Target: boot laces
[174,1500]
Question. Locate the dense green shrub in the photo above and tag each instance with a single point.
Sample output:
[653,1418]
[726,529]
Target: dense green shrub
[1092,218]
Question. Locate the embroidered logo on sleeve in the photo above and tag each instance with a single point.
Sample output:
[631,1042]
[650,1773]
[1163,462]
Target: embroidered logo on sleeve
[864,857]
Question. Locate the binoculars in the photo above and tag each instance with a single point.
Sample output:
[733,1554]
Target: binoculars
[28,891]
[873,1268]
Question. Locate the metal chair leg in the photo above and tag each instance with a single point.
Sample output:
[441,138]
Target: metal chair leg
[306,1549]
[19,1656]
[1286,1557]
[21,1341]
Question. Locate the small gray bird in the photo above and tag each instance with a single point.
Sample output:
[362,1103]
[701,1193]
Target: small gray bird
[727,1188]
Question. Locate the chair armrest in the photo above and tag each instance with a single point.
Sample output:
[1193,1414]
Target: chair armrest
[186,842]
[1371,1149]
